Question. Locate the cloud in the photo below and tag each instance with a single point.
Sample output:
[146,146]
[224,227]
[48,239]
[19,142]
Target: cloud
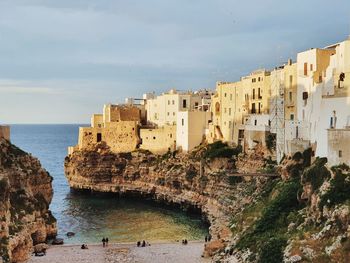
[94,51]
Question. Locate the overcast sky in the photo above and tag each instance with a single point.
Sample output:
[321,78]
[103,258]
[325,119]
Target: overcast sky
[61,60]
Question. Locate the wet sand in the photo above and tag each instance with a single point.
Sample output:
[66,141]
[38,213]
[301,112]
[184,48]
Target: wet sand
[157,252]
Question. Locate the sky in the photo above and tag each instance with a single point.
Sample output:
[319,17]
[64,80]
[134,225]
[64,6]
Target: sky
[60,61]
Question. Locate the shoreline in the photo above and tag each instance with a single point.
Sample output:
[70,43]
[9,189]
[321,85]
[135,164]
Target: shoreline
[171,252]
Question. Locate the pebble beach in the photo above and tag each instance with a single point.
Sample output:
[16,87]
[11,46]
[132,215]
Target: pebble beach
[157,252]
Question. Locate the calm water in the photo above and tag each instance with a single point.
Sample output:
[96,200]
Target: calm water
[92,217]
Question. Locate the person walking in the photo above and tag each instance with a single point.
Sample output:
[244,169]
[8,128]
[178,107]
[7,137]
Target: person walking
[106,241]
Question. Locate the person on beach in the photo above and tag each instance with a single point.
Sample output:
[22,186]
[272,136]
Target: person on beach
[138,243]
[206,239]
[103,242]
[106,241]
[143,243]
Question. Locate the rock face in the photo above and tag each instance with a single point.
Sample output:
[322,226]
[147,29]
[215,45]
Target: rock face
[183,179]
[25,195]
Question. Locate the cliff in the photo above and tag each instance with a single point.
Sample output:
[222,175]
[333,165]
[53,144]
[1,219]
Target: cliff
[25,195]
[189,180]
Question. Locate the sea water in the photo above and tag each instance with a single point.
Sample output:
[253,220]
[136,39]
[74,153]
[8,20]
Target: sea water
[92,217]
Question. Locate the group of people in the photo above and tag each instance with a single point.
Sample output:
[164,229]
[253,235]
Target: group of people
[184,242]
[84,246]
[105,242]
[207,238]
[142,244]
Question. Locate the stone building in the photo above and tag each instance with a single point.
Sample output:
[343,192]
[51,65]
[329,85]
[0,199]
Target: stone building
[233,105]
[5,132]
[117,127]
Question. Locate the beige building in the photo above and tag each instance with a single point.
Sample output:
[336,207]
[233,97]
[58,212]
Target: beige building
[233,104]
[191,128]
[159,139]
[228,111]
[117,127]
[5,132]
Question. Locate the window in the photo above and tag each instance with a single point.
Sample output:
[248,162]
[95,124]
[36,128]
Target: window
[340,153]
[225,95]
[292,117]
[173,102]
[170,135]
[173,113]
[259,108]
[258,78]
[184,103]
[311,67]
[259,93]
[168,102]
[196,104]
[229,111]
[230,96]
[168,113]
[305,69]
[253,108]
[290,80]
[290,96]
[225,110]
[182,122]
[305,97]
[99,137]
[255,122]
[331,123]
[154,137]
[253,94]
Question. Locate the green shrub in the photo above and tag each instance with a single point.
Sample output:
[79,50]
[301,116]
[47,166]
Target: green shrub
[285,202]
[234,179]
[339,187]
[316,174]
[272,250]
[220,149]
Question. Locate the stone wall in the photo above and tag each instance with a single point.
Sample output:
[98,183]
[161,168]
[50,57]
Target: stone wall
[120,136]
[338,146]
[158,140]
[123,113]
[5,132]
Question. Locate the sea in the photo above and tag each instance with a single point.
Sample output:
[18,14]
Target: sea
[92,217]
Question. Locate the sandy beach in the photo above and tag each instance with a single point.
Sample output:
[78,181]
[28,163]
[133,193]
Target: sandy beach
[158,252]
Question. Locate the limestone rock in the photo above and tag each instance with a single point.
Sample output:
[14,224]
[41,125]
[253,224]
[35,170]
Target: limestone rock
[25,195]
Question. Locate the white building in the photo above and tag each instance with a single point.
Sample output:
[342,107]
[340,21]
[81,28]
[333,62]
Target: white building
[162,110]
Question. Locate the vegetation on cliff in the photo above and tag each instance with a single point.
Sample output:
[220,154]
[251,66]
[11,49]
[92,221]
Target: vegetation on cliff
[302,217]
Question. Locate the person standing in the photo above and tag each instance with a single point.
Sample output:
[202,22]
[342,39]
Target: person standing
[106,241]
[103,242]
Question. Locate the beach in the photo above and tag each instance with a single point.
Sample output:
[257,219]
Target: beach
[127,252]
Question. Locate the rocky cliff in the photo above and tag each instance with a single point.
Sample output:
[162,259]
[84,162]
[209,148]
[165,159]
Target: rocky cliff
[258,211]
[25,195]
[208,184]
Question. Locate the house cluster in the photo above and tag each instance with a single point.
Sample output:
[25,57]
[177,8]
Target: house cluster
[298,105]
